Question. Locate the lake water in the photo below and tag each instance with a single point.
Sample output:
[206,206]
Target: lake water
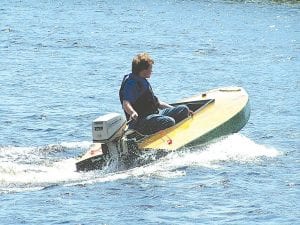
[61,64]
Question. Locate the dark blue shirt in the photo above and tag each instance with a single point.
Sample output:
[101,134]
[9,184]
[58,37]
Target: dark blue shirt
[138,92]
[134,87]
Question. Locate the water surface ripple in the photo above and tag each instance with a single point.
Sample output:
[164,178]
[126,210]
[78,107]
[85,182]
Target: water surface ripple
[61,66]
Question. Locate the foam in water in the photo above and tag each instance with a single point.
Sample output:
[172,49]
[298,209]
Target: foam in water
[235,148]
[42,172]
[33,168]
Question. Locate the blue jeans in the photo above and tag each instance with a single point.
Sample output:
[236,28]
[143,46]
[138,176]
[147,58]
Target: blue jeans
[164,119]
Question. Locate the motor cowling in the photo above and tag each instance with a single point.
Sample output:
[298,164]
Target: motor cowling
[108,127]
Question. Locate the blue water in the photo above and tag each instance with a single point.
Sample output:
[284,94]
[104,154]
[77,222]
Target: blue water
[61,64]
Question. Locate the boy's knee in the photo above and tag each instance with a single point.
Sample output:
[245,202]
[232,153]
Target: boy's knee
[184,109]
[168,122]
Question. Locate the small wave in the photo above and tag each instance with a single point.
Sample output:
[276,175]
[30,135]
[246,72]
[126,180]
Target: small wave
[40,172]
[234,148]
[26,168]
[15,176]
[6,151]
[64,146]
[82,144]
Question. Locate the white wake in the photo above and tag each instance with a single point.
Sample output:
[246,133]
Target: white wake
[31,168]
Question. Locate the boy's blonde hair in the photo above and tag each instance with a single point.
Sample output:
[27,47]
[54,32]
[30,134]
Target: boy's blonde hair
[141,62]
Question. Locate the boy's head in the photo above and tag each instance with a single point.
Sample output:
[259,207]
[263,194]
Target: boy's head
[142,65]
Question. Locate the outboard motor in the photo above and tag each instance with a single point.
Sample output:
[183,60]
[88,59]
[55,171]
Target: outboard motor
[109,130]
[110,143]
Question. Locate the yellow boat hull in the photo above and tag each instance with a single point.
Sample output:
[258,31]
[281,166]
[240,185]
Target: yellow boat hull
[228,114]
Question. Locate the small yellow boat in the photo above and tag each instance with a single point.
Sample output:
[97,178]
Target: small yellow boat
[217,113]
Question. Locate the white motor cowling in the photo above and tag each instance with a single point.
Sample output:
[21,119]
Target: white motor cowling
[108,127]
